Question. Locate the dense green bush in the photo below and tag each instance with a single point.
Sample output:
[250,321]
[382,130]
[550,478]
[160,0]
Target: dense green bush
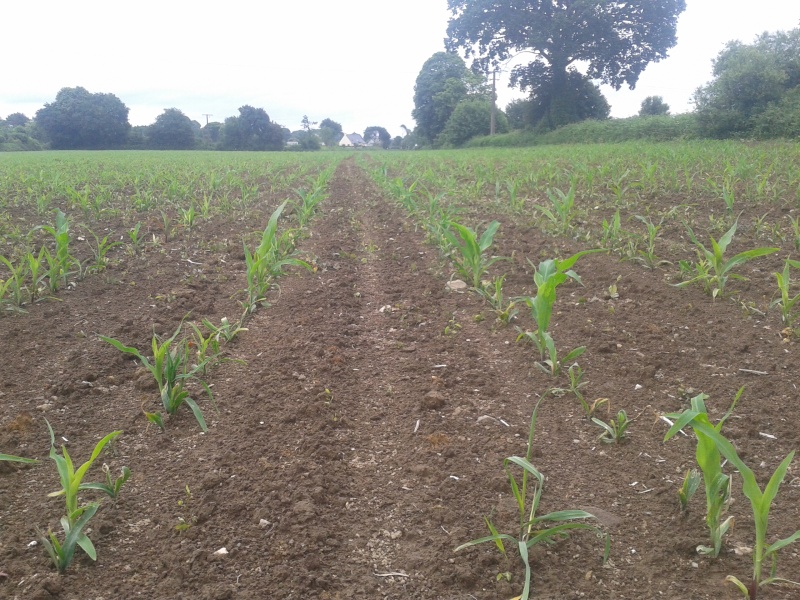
[470,118]
[655,129]
[20,139]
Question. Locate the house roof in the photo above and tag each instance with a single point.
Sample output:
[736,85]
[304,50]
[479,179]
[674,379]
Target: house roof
[352,139]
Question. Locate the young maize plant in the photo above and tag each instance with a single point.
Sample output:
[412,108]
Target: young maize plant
[717,484]
[648,256]
[786,300]
[310,199]
[561,216]
[548,276]
[77,516]
[712,270]
[535,529]
[760,500]
[61,263]
[171,368]
[493,293]
[99,250]
[470,258]
[13,292]
[268,260]
[615,430]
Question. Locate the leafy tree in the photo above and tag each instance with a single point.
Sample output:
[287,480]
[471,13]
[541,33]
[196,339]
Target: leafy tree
[330,132]
[653,105]
[471,118]
[780,119]
[749,81]
[137,137]
[374,133]
[172,130]
[16,119]
[82,120]
[307,123]
[251,130]
[614,39]
[442,83]
[20,138]
[519,113]
[308,141]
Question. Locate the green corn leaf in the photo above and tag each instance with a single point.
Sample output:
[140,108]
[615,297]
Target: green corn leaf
[20,459]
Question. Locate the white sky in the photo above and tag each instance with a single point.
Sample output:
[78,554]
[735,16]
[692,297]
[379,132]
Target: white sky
[354,61]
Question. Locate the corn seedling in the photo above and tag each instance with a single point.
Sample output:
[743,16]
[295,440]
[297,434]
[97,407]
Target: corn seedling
[795,221]
[166,223]
[471,259]
[760,500]
[515,202]
[225,330]
[717,484]
[99,250]
[77,516]
[171,370]
[110,487]
[612,233]
[728,196]
[548,276]
[207,348]
[137,241]
[493,293]
[615,430]
[690,485]
[155,419]
[561,214]
[189,217]
[13,293]
[648,256]
[534,529]
[307,206]
[268,260]
[786,300]
[436,219]
[60,263]
[575,374]
[716,276]
[34,267]
[62,553]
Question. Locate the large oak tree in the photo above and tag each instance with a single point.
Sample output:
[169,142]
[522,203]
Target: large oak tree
[611,41]
[79,119]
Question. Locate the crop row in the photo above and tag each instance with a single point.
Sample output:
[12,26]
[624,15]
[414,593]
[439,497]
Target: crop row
[470,252]
[179,363]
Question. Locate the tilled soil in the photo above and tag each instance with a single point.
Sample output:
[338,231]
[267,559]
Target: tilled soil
[364,420]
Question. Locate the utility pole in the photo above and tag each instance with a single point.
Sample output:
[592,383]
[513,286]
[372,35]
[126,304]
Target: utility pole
[493,119]
[206,115]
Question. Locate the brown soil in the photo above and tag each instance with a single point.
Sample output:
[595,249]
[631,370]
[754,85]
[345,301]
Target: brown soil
[360,443]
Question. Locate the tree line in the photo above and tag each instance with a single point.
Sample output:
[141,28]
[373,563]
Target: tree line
[80,120]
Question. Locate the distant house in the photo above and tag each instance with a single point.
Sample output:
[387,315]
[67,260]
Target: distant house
[352,140]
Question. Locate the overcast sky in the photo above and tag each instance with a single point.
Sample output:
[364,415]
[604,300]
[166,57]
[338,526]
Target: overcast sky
[354,61]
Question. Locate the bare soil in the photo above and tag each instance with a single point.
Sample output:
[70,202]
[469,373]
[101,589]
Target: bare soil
[362,438]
